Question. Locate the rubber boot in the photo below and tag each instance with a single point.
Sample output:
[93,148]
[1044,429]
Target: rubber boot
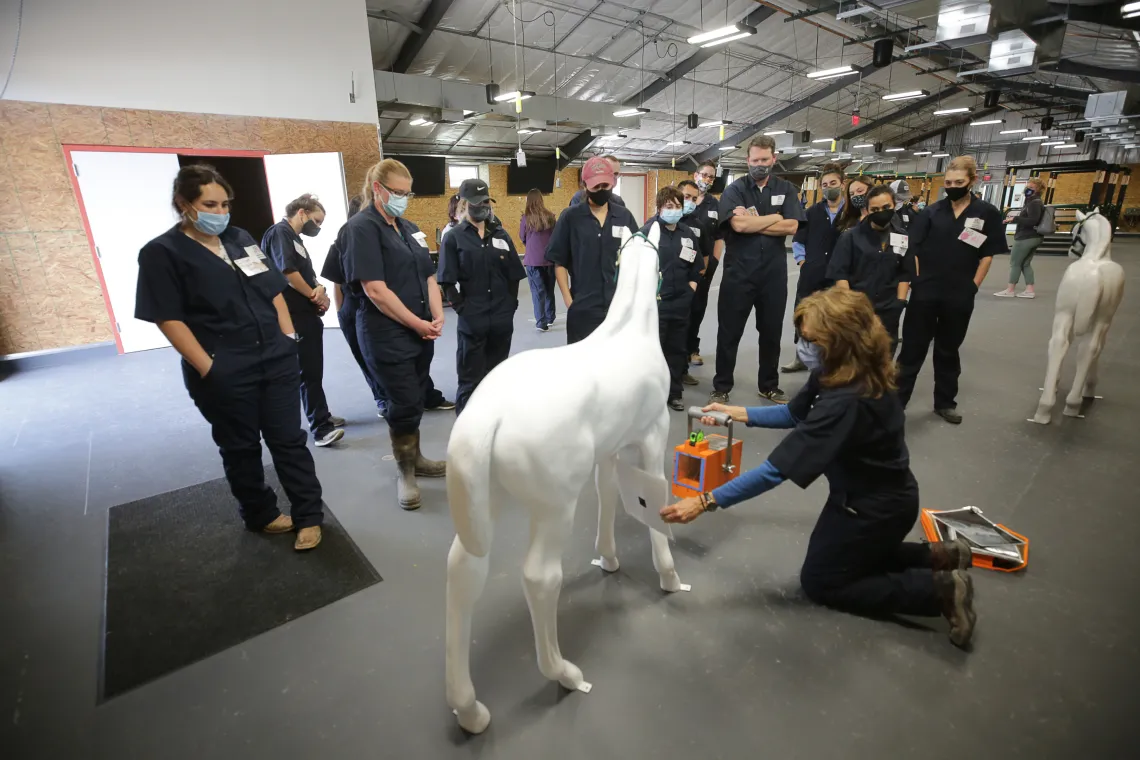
[404,449]
[951,555]
[428,468]
[956,592]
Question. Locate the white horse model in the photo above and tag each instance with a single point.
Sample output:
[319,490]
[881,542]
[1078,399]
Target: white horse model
[1087,300]
[534,432]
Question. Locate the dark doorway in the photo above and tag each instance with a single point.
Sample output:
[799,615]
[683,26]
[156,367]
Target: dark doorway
[251,210]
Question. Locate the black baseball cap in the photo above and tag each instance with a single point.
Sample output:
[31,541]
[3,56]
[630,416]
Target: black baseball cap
[474,191]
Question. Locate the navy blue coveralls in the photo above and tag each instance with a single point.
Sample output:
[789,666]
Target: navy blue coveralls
[487,271]
[942,296]
[755,277]
[679,262]
[869,262]
[588,251]
[396,355]
[818,236]
[250,391]
[857,559]
[333,271]
[705,223]
[289,254]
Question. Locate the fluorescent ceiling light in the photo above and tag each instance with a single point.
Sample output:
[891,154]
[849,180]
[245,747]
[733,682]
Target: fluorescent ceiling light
[830,72]
[513,95]
[680,142]
[775,132]
[421,122]
[1130,7]
[894,150]
[1070,145]
[631,111]
[944,111]
[1013,131]
[728,147]
[858,10]
[530,131]
[987,121]
[467,112]
[835,76]
[1134,14]
[806,155]
[906,95]
[733,38]
[824,140]
[1035,138]
[717,36]
[941,155]
[922,153]
[1049,144]
[717,123]
[864,145]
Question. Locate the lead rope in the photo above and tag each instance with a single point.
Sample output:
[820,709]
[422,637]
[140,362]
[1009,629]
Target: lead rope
[617,264]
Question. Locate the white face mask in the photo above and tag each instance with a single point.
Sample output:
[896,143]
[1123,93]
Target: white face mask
[810,354]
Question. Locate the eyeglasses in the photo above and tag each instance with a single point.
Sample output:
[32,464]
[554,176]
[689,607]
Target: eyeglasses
[702,175]
[396,194]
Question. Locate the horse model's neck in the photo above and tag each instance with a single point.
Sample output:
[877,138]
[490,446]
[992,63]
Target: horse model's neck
[634,307]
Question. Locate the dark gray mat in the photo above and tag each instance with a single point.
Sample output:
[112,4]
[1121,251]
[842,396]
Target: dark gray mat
[185,580]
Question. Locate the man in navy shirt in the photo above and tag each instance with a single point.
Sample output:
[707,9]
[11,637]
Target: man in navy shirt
[614,197]
[757,213]
[702,215]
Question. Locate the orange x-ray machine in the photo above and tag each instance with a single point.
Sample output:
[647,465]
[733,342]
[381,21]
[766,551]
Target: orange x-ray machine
[704,462]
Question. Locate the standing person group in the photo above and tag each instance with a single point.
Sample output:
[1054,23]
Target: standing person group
[702,214]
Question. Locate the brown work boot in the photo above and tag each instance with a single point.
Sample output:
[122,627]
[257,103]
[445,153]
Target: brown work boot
[405,452]
[428,468]
[951,555]
[956,593]
[307,538]
[280,524]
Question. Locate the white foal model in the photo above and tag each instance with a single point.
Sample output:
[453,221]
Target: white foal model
[1087,299]
[533,433]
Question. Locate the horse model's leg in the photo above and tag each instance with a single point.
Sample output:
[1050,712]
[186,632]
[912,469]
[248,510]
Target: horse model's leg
[605,476]
[652,451]
[466,576]
[1058,346]
[1084,383]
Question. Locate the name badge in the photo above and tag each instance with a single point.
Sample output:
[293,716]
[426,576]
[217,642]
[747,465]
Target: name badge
[777,200]
[688,254]
[899,241]
[686,243]
[714,215]
[696,232]
[974,223]
[616,231]
[500,244]
[420,238]
[250,266]
[300,249]
[254,252]
[906,219]
[972,238]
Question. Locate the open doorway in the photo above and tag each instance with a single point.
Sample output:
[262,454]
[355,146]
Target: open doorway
[251,209]
[631,188]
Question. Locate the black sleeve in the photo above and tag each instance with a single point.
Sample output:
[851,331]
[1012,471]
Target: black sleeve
[453,296]
[363,254]
[630,222]
[333,269]
[698,262]
[448,272]
[515,270]
[558,249]
[994,230]
[842,259]
[800,405]
[801,235]
[818,439]
[281,249]
[158,294]
[1030,216]
[729,200]
[792,208]
[919,227]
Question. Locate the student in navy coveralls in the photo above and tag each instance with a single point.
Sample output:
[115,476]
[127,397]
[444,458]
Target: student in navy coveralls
[218,299]
[702,215]
[307,302]
[848,425]
[480,271]
[389,271]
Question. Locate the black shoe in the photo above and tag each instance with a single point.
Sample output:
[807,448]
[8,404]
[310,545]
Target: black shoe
[441,406]
[950,414]
[956,592]
[677,405]
[542,328]
[688,379]
[381,410]
[776,396]
[951,555]
[717,397]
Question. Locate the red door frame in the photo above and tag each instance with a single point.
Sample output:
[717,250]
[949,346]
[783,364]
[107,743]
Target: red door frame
[67,150]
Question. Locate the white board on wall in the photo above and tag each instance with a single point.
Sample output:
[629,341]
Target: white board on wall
[322,174]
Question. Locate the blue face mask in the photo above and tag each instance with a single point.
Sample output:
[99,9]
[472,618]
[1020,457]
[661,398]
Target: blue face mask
[690,207]
[211,224]
[1029,192]
[395,205]
[670,215]
[810,354]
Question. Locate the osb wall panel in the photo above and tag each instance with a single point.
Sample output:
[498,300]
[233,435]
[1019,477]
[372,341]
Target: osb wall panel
[50,295]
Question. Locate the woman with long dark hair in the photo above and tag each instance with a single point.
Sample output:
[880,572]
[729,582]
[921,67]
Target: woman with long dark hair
[535,229]
[848,425]
[855,204]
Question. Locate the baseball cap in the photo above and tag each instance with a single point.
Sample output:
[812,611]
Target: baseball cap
[596,171]
[901,190]
[474,191]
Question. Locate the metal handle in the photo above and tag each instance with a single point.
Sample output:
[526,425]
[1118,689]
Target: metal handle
[721,418]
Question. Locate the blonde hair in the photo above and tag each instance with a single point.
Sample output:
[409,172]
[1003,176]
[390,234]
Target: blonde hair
[1038,183]
[854,343]
[380,173]
[965,164]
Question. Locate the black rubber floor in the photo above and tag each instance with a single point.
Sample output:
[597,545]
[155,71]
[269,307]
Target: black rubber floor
[185,580]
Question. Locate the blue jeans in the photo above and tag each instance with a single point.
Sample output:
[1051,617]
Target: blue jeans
[541,280]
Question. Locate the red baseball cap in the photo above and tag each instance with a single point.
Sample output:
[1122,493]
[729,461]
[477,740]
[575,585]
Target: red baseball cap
[596,171]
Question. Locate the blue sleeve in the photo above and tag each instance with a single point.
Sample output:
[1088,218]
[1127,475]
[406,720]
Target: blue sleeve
[799,252]
[778,417]
[748,484]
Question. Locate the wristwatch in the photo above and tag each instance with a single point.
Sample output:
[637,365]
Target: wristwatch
[708,501]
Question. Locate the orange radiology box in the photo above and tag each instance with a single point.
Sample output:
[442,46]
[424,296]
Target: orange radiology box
[702,462]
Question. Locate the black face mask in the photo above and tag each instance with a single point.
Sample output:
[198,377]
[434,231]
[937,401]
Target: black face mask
[311,228]
[599,197]
[881,218]
[479,213]
[759,173]
[859,201]
[956,193]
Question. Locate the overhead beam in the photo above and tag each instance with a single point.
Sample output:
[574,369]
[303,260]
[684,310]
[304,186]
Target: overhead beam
[1070,66]
[1011,85]
[914,107]
[393,16]
[944,128]
[796,107]
[755,18]
[427,23]
[574,148]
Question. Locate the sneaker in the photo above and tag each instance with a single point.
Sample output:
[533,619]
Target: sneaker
[443,406]
[329,437]
[1008,293]
[1027,294]
[696,360]
[950,414]
[677,405]
[381,411]
[542,328]
[718,398]
[688,379]
[795,365]
[336,421]
[776,396]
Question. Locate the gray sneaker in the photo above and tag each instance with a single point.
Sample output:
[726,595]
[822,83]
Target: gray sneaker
[718,398]
[687,379]
[329,437]
[776,396]
[795,365]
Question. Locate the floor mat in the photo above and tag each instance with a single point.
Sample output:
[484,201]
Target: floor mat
[185,581]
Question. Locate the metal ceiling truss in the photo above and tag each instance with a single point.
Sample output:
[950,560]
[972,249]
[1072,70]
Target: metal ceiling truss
[947,126]
[914,107]
[412,46]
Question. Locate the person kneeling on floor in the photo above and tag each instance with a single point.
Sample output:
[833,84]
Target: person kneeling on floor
[847,424]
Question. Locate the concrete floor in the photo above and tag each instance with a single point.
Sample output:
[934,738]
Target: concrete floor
[743,666]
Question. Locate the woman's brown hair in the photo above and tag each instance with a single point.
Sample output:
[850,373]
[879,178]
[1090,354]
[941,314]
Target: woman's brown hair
[452,205]
[855,346]
[190,181]
[850,216]
[964,164]
[380,173]
[538,216]
[308,202]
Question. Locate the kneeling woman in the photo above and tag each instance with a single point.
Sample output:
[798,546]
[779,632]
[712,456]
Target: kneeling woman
[480,271]
[218,300]
[848,425]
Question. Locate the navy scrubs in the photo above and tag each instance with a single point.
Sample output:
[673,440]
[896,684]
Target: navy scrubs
[588,251]
[679,262]
[395,355]
[704,222]
[874,262]
[486,271]
[289,254]
[333,271]
[251,390]
[755,279]
[818,236]
[857,559]
[942,296]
